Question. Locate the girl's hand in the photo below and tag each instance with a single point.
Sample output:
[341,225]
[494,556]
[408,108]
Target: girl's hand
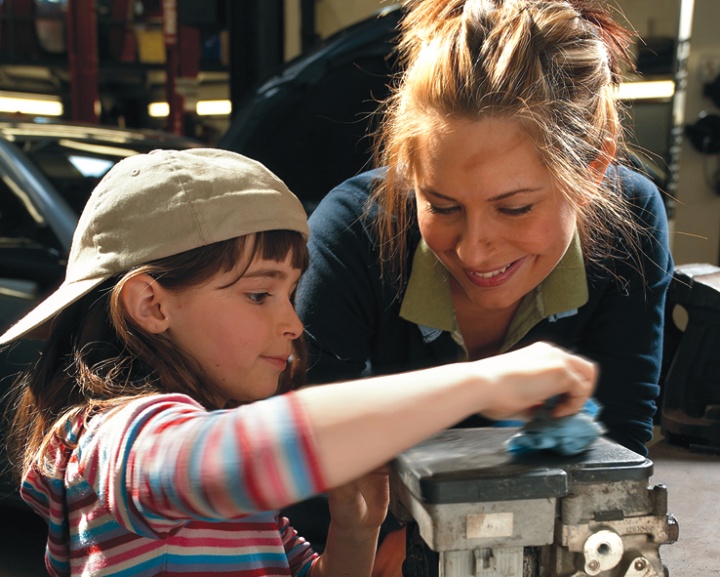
[357,509]
[361,504]
[538,372]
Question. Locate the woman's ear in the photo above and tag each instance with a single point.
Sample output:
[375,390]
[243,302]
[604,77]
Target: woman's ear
[144,300]
[603,160]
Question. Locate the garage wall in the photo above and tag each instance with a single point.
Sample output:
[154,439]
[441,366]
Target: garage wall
[697,224]
[649,17]
[333,15]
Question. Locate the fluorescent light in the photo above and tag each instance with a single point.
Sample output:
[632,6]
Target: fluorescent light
[203,108]
[158,109]
[32,104]
[650,90]
[214,108]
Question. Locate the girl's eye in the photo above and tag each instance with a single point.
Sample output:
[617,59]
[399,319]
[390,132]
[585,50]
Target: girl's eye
[519,211]
[257,298]
[442,210]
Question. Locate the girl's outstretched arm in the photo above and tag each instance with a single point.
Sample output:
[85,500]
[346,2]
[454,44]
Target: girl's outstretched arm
[359,425]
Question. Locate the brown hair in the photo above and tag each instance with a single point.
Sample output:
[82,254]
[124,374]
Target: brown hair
[96,357]
[550,65]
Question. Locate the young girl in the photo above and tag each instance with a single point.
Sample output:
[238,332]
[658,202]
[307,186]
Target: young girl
[150,435]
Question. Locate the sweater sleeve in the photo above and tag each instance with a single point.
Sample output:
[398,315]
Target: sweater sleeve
[337,298]
[163,460]
[625,333]
[300,555]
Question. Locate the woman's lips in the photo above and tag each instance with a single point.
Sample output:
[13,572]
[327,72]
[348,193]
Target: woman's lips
[495,277]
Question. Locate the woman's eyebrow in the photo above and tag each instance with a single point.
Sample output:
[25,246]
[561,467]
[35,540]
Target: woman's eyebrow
[510,193]
[503,196]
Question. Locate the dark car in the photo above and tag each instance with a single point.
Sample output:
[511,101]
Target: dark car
[47,171]
[309,123]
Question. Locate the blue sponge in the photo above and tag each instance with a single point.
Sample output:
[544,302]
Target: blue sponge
[569,435]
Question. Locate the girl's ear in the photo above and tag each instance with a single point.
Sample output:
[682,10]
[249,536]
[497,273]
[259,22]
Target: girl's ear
[144,300]
[603,160]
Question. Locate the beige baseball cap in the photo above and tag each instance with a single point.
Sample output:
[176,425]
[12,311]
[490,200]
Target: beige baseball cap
[156,205]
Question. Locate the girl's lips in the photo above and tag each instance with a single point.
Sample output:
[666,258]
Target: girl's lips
[494,278]
[279,362]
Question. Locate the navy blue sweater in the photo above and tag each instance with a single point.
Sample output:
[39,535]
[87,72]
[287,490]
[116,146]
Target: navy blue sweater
[353,327]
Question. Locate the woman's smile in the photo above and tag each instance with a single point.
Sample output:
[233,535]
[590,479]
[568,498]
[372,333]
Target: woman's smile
[494,278]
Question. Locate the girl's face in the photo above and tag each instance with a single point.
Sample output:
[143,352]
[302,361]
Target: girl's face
[239,328]
[490,210]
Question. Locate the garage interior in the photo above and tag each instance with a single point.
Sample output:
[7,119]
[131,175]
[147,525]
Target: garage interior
[112,61]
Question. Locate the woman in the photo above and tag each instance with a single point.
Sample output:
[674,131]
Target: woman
[501,213]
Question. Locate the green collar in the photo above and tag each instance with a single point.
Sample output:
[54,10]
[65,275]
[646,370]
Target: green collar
[427,301]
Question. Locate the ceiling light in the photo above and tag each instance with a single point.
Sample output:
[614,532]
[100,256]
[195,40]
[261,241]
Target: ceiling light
[30,104]
[203,108]
[646,90]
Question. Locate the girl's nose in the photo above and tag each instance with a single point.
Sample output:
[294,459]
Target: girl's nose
[292,326]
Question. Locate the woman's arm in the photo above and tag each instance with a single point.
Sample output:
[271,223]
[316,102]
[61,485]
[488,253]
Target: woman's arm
[341,298]
[625,332]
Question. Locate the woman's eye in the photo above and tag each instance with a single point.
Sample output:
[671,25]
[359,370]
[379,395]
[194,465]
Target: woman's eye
[442,210]
[516,211]
[257,298]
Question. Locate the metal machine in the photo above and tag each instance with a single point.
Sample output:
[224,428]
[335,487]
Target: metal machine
[473,510]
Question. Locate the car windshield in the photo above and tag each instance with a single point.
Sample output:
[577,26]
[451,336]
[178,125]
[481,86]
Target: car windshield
[74,167]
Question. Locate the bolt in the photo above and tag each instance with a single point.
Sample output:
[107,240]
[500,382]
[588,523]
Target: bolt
[639,564]
[594,565]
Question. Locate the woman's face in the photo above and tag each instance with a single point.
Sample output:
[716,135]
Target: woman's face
[490,210]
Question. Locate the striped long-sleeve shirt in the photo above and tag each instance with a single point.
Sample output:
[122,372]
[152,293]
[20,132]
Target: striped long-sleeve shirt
[161,486]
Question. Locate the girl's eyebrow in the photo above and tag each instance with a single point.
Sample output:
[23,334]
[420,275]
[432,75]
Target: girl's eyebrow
[266,272]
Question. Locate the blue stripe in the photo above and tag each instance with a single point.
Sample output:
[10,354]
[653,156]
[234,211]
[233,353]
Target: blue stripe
[104,469]
[204,563]
[100,534]
[295,455]
[31,490]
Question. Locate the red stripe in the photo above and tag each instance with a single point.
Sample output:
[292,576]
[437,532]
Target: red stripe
[249,479]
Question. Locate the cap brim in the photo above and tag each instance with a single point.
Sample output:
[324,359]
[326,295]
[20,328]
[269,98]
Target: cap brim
[32,325]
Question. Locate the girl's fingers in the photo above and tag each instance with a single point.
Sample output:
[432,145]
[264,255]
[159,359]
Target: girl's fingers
[584,376]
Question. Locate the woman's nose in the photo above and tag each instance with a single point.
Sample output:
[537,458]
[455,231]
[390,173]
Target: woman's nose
[476,242]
